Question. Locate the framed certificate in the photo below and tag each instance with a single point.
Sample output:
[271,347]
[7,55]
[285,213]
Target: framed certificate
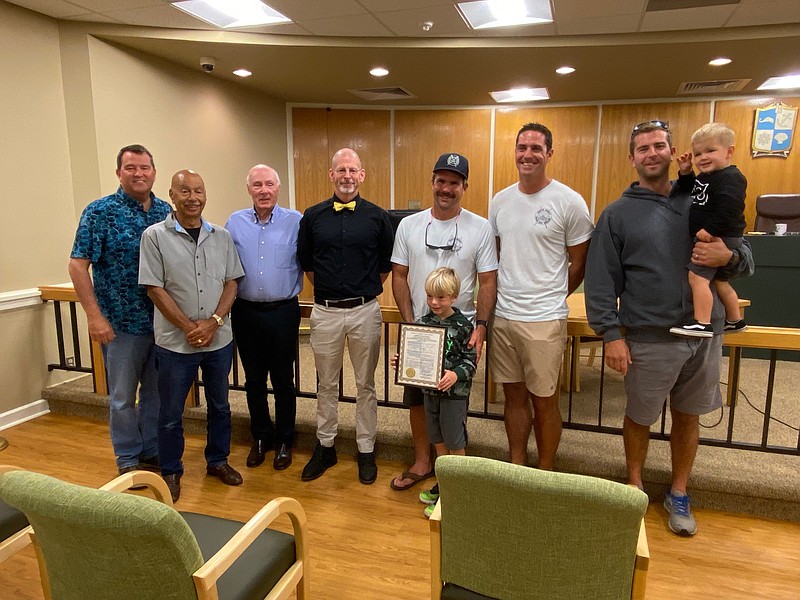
[420,349]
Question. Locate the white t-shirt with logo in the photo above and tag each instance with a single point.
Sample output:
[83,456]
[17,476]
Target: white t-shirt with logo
[534,231]
[473,252]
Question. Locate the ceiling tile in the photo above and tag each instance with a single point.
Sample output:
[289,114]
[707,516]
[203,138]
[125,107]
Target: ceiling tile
[765,13]
[105,6]
[316,9]
[354,26]
[408,23]
[599,25]
[391,5]
[687,18]
[580,9]
[52,8]
[160,16]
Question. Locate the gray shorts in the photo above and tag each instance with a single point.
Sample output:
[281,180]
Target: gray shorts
[412,396]
[711,273]
[686,370]
[446,420]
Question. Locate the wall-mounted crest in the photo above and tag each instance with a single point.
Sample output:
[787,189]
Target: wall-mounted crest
[773,130]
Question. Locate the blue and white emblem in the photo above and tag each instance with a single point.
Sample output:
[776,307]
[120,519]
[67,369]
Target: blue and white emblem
[543,216]
[773,130]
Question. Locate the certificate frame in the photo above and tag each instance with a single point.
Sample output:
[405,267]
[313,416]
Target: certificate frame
[420,355]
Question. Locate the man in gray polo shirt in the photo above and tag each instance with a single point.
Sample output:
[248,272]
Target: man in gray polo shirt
[190,268]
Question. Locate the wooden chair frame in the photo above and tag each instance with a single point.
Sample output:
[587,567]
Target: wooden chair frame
[206,577]
[641,562]
[17,541]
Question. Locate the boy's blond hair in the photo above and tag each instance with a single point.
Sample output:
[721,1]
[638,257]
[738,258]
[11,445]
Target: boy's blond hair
[716,131]
[443,282]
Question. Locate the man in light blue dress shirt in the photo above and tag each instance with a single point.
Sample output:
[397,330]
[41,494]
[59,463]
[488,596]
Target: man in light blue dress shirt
[266,313]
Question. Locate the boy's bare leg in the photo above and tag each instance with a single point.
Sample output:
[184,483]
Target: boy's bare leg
[702,298]
[730,300]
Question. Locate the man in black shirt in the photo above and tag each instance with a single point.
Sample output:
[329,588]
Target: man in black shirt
[344,247]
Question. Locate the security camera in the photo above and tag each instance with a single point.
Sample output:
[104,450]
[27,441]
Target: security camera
[207,64]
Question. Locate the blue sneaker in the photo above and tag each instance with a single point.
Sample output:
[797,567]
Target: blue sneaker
[681,519]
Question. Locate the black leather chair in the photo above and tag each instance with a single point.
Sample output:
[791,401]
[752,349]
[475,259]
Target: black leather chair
[777,208]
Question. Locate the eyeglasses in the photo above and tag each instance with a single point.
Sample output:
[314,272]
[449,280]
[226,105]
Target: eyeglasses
[449,246]
[654,124]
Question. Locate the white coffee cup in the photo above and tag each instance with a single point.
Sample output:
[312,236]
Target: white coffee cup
[780,228]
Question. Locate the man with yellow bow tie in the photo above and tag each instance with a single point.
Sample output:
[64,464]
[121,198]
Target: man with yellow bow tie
[344,246]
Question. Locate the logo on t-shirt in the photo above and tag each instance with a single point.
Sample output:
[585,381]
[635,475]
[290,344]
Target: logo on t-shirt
[543,217]
[699,193]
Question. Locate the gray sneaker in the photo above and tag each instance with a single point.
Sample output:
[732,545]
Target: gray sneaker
[681,519]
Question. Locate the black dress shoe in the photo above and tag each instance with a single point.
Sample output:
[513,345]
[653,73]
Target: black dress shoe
[225,473]
[322,459]
[283,458]
[367,469]
[174,484]
[150,464]
[257,453]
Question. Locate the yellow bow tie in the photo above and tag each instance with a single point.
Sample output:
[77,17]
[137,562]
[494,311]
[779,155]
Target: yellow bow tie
[338,206]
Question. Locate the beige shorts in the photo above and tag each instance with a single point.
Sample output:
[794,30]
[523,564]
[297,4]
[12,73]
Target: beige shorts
[529,352]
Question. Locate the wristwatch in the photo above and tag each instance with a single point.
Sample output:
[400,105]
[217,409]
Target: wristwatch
[220,321]
[483,322]
[735,257]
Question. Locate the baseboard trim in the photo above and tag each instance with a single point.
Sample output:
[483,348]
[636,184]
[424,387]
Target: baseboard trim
[19,415]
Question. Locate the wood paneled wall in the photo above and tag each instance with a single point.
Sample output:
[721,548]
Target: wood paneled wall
[767,174]
[421,135]
[615,172]
[574,136]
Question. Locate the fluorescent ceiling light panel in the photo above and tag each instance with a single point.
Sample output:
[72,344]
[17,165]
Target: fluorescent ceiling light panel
[789,82]
[232,13]
[520,95]
[485,14]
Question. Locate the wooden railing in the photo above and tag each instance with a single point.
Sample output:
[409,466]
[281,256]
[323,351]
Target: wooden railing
[578,330]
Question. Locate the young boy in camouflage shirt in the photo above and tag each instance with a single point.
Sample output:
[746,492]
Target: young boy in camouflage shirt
[446,406]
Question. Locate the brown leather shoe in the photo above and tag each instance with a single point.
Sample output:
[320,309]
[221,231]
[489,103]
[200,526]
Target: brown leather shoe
[283,458]
[174,484]
[257,453]
[225,473]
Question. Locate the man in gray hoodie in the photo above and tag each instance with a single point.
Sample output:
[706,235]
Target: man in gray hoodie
[635,287]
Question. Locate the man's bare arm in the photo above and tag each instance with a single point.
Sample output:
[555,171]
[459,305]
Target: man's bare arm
[402,292]
[487,296]
[577,265]
[100,330]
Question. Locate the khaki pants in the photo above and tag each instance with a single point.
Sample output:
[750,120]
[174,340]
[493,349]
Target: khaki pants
[361,327]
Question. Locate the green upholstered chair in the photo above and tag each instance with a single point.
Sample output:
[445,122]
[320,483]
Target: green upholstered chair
[505,531]
[104,544]
[14,528]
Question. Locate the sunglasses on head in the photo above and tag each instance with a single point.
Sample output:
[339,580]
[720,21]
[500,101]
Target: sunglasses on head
[655,123]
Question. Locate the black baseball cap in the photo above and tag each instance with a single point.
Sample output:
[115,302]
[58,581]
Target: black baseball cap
[453,162]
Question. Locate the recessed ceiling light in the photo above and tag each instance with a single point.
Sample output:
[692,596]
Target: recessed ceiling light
[379,72]
[565,70]
[427,25]
[484,14]
[242,73]
[232,13]
[788,82]
[720,62]
[520,95]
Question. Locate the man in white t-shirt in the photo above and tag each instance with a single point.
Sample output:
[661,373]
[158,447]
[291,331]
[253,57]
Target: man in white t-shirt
[543,230]
[444,235]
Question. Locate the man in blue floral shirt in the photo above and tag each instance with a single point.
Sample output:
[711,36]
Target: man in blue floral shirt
[119,313]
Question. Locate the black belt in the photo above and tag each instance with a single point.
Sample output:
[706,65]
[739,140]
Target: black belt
[345,302]
[266,305]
